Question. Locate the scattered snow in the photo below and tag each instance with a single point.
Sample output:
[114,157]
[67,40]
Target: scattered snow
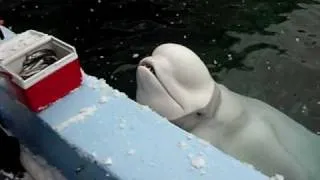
[131,152]
[277,177]
[103,99]
[189,137]
[204,142]
[108,161]
[118,93]
[83,113]
[122,125]
[198,162]
[144,107]
[202,172]
[183,145]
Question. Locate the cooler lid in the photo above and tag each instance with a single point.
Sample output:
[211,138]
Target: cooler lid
[20,44]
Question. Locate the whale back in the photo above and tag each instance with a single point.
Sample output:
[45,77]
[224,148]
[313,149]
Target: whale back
[299,142]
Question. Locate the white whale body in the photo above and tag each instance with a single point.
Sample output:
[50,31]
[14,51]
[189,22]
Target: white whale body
[175,83]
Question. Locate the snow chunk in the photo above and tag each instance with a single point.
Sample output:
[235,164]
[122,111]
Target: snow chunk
[198,162]
[103,99]
[108,161]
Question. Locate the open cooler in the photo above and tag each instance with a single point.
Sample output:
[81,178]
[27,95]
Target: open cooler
[39,68]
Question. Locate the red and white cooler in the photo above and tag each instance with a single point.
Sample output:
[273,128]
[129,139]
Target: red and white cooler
[51,83]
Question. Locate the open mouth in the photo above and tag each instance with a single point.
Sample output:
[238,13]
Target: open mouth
[149,67]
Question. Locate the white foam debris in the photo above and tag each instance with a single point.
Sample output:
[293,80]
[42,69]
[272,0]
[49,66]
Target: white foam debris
[297,39]
[108,161]
[103,99]
[184,36]
[99,1]
[229,57]
[318,102]
[135,55]
[83,113]
[131,152]
[277,177]
[198,162]
[304,109]
[91,10]
[318,132]
[183,145]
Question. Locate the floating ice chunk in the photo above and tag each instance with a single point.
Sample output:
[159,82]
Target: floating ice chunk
[198,162]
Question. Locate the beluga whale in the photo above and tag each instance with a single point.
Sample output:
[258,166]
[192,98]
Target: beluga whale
[174,82]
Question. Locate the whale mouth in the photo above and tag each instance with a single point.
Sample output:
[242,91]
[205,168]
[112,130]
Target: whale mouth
[149,67]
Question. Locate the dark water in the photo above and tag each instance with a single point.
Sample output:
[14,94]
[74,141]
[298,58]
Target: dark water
[107,34]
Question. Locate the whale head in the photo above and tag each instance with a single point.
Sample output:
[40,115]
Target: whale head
[174,82]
